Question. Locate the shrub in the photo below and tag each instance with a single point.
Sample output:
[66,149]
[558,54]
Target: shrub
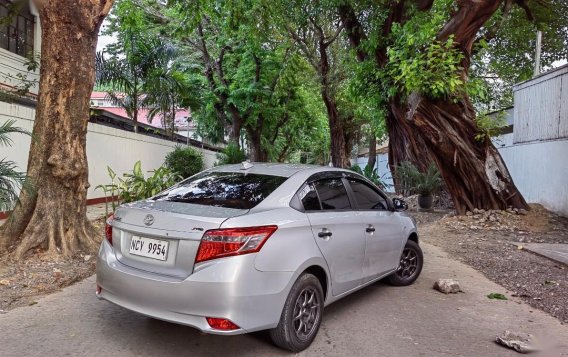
[413,180]
[184,161]
[133,186]
[11,180]
[371,174]
[232,154]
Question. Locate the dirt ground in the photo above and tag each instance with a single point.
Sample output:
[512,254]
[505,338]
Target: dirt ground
[484,241]
[22,283]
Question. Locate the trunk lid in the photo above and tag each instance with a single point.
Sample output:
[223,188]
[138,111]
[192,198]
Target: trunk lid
[179,225]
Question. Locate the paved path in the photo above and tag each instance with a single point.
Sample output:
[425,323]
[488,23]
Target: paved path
[379,320]
[557,252]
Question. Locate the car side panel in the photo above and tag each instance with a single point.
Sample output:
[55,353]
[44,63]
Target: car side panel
[384,244]
[344,251]
[292,248]
[289,247]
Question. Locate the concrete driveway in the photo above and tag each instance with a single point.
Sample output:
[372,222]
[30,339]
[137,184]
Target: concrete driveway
[379,320]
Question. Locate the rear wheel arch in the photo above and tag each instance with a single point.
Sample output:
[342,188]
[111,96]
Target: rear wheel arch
[302,314]
[319,273]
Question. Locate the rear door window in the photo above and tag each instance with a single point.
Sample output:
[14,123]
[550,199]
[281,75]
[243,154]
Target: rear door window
[309,198]
[223,189]
[367,198]
[332,194]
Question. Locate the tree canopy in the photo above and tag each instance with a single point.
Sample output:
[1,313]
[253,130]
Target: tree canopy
[312,80]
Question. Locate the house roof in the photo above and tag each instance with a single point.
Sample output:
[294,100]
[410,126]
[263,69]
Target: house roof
[144,117]
[98,95]
[143,114]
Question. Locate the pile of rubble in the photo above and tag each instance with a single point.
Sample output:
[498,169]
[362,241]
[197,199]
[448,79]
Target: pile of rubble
[510,220]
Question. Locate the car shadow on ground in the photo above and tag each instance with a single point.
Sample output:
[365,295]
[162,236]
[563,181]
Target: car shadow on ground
[156,336]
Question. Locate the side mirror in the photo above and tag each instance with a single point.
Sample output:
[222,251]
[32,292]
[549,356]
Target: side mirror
[399,204]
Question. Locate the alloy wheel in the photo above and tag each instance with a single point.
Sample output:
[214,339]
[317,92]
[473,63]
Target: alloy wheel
[307,312]
[408,263]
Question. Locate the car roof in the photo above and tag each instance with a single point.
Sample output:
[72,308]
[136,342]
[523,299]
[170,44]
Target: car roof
[273,169]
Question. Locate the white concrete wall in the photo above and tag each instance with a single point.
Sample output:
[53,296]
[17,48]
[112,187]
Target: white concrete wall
[19,150]
[540,171]
[106,146]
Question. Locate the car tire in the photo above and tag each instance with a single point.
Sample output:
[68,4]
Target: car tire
[301,316]
[410,266]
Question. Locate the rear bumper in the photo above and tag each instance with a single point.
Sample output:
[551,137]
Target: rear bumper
[229,288]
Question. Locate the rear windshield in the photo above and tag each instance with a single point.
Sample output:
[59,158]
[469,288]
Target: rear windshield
[223,189]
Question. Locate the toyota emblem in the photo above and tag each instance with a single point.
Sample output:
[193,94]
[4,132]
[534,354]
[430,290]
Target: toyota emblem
[149,220]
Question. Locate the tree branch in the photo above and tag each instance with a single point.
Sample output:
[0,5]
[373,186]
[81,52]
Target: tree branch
[283,120]
[334,37]
[219,65]
[524,5]
[355,32]
[302,43]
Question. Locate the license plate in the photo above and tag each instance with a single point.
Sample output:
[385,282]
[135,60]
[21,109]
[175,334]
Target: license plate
[149,248]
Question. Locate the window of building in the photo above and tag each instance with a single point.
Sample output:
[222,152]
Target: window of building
[16,30]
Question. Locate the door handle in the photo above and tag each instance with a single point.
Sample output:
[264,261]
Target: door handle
[325,233]
[370,229]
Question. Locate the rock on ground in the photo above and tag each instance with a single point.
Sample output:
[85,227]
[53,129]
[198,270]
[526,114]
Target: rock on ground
[447,286]
[520,342]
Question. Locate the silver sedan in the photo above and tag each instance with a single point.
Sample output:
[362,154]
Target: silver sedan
[242,248]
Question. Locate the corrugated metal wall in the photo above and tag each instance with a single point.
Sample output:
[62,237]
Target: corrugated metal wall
[541,107]
[563,126]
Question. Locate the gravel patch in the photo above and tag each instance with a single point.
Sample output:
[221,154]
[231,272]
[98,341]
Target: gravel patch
[486,244]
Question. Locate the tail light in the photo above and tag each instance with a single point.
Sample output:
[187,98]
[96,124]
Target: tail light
[108,228]
[219,243]
[221,324]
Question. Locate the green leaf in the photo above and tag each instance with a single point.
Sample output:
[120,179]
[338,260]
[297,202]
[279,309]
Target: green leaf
[497,296]
[111,173]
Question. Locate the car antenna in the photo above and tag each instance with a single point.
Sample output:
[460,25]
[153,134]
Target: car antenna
[245,165]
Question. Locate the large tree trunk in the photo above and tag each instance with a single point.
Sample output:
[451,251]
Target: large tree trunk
[403,146]
[257,152]
[338,144]
[319,58]
[339,154]
[236,125]
[372,151]
[475,174]
[54,218]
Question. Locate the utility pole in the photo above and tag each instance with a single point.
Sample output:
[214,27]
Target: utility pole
[537,55]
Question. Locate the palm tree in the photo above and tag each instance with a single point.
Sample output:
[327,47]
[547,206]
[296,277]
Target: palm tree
[11,180]
[129,75]
[168,89]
